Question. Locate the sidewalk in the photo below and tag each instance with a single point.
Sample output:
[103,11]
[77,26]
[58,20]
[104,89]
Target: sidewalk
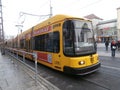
[106,53]
[13,77]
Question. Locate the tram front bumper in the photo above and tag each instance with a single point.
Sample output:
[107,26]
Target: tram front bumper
[82,71]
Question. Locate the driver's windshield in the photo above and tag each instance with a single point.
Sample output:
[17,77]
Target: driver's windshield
[78,37]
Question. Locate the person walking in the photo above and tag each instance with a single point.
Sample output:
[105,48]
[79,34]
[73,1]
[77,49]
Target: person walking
[113,48]
[106,44]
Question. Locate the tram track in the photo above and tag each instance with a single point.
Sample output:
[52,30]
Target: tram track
[110,67]
[97,84]
[106,78]
[98,79]
[77,79]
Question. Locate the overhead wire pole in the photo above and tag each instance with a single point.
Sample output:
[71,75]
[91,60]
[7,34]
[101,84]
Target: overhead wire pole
[1,29]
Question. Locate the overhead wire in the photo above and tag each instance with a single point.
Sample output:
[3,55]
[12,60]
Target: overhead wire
[23,14]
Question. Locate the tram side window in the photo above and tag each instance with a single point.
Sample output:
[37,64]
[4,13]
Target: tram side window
[15,44]
[56,42]
[22,43]
[47,42]
[39,43]
[27,45]
[52,42]
[32,43]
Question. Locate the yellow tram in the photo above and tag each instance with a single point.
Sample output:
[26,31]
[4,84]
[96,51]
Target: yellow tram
[62,42]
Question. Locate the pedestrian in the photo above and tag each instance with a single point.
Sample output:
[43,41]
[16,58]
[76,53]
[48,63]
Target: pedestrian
[106,44]
[113,48]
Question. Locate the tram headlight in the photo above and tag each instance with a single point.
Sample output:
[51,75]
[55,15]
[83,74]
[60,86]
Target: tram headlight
[81,62]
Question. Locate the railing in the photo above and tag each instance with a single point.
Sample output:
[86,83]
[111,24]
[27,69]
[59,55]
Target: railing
[15,54]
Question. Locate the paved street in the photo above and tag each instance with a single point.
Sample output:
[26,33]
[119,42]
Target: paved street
[102,52]
[107,61]
[106,78]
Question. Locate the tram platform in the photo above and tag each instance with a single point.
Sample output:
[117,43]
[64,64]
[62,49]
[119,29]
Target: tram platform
[13,77]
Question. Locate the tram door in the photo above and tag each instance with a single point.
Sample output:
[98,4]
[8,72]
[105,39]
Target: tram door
[56,50]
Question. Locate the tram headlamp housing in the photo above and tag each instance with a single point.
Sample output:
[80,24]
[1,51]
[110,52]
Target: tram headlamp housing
[81,62]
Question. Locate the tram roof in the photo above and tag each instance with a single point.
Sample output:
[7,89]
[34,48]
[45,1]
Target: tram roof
[52,20]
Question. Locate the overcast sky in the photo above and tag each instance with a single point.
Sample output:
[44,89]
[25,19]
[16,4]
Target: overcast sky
[105,9]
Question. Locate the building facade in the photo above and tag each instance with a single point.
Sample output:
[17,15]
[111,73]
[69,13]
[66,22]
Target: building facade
[107,30]
[95,20]
[118,23]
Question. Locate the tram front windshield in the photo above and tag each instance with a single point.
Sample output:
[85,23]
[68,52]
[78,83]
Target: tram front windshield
[78,38]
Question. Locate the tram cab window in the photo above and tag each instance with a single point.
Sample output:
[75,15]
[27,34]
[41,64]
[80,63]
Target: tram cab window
[78,38]
[68,33]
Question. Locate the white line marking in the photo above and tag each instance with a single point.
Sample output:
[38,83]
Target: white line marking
[110,67]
